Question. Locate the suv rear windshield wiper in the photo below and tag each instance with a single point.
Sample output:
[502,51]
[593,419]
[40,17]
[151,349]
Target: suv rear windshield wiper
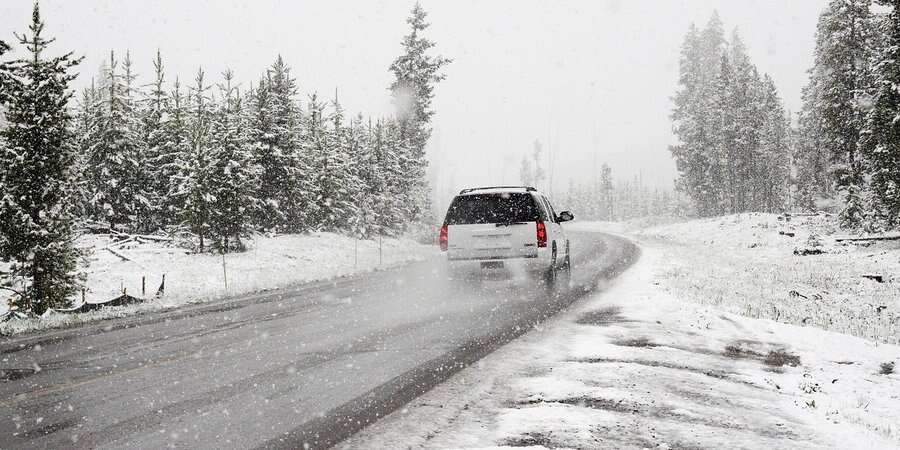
[506,224]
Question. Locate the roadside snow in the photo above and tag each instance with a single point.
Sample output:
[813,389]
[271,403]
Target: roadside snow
[636,367]
[792,271]
[270,263]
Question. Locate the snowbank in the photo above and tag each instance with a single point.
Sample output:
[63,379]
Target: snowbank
[270,263]
[636,367]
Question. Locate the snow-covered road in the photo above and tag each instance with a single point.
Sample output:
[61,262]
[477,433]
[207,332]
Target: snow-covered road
[634,367]
[306,365]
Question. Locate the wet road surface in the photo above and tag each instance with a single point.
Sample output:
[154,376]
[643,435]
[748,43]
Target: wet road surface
[301,366]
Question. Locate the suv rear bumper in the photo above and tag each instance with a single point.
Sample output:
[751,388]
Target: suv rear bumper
[492,258]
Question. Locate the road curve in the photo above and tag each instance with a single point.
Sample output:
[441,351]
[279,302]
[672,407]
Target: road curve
[307,365]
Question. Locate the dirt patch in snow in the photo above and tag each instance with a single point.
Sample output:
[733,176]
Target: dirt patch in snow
[777,358]
[532,440]
[781,358]
[602,317]
[642,342]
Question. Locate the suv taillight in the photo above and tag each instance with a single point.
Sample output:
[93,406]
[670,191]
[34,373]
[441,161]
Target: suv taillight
[444,238]
[541,234]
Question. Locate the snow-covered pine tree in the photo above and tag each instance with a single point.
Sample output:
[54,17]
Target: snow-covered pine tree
[37,156]
[159,156]
[116,153]
[317,148]
[356,160]
[882,139]
[139,181]
[173,149]
[810,155]
[275,139]
[336,180]
[385,170]
[841,72]
[607,193]
[695,115]
[720,110]
[87,116]
[416,73]
[745,156]
[722,171]
[195,183]
[233,175]
[394,152]
[774,163]
[368,181]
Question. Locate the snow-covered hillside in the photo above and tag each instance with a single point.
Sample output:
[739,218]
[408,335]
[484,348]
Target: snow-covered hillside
[271,262]
[791,270]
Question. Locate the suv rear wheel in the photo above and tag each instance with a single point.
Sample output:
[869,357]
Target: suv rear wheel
[558,276]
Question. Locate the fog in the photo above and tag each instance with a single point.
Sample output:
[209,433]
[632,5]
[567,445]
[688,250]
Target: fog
[591,80]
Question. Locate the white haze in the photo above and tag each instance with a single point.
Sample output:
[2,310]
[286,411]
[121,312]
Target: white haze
[591,79]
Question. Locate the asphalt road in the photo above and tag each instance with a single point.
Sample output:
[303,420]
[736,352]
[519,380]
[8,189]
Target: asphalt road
[308,365]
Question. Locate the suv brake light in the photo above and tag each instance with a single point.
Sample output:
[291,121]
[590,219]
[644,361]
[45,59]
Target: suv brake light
[541,234]
[444,240]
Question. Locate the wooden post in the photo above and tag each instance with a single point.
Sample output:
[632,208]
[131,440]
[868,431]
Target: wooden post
[144,286]
[225,271]
[82,296]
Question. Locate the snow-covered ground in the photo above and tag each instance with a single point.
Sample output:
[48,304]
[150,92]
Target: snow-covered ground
[270,263]
[754,265]
[636,367]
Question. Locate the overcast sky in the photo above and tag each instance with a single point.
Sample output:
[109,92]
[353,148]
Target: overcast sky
[590,79]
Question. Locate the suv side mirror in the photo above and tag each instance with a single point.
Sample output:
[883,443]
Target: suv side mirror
[565,216]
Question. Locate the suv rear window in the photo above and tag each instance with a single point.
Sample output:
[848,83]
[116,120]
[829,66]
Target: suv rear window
[492,208]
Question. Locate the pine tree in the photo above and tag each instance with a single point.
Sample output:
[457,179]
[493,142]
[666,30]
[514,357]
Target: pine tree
[810,155]
[398,203]
[87,116]
[364,171]
[233,175]
[195,178]
[315,141]
[415,75]
[36,161]
[336,179]
[385,198]
[843,36]
[275,138]
[697,153]
[882,139]
[721,110]
[607,193]
[159,155]
[774,171]
[173,149]
[141,177]
[116,154]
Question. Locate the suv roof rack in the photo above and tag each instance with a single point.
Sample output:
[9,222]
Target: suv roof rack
[527,188]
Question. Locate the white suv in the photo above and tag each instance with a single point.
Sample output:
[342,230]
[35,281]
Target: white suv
[507,225]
